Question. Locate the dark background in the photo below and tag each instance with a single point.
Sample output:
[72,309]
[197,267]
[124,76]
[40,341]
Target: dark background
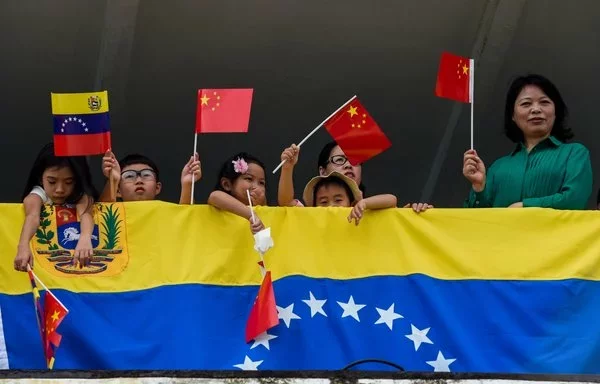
[304,58]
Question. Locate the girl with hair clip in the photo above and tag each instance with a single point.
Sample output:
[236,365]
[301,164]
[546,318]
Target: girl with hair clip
[240,173]
[59,181]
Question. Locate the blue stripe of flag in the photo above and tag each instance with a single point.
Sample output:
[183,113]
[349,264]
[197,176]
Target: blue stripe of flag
[477,326]
[81,124]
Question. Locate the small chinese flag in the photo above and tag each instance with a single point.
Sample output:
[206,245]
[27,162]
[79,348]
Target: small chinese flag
[49,316]
[223,110]
[54,313]
[263,314]
[357,134]
[81,123]
[455,78]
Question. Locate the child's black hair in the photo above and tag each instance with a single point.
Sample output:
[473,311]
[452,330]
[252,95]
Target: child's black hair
[78,165]
[332,181]
[228,171]
[136,158]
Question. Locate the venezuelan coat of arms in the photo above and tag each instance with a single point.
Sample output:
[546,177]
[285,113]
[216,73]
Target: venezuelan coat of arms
[56,238]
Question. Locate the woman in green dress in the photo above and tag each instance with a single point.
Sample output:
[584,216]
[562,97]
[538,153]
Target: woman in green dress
[543,170]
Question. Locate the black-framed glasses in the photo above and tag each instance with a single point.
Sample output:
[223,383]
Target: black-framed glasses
[132,175]
[338,159]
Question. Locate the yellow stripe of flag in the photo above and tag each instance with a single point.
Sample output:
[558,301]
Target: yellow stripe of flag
[79,103]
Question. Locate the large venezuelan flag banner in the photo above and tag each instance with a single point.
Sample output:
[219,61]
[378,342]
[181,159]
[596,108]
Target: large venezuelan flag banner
[448,290]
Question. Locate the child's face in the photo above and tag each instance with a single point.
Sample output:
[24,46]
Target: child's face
[339,162]
[254,181]
[138,183]
[332,195]
[58,183]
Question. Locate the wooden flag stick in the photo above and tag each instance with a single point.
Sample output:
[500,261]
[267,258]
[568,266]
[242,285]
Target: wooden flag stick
[317,128]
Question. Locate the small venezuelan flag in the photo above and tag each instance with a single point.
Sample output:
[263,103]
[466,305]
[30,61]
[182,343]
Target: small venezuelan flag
[81,123]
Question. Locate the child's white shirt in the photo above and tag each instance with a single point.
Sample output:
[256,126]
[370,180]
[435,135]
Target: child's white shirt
[37,190]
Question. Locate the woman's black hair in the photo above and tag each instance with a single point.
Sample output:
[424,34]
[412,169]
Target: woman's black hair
[323,160]
[560,130]
[332,181]
[228,171]
[78,165]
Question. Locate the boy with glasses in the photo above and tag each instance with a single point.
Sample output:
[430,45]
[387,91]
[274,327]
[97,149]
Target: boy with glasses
[136,178]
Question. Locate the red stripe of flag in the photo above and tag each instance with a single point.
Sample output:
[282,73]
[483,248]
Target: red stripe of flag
[81,145]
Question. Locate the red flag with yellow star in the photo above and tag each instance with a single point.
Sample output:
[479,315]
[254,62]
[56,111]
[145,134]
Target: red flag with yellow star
[357,133]
[263,315]
[54,314]
[223,110]
[455,78]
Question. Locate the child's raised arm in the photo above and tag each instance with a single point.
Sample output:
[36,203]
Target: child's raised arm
[32,204]
[373,202]
[112,171]
[193,167]
[83,250]
[381,201]
[285,192]
[226,202]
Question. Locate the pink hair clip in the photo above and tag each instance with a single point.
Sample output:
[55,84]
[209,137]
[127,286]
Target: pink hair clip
[240,165]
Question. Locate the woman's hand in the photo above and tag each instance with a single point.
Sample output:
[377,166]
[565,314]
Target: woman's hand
[474,170]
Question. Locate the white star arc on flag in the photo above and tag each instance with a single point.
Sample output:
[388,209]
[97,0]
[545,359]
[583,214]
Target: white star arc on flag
[350,309]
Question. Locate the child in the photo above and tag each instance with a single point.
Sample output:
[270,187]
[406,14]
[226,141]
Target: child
[331,158]
[136,178]
[337,190]
[57,180]
[240,173]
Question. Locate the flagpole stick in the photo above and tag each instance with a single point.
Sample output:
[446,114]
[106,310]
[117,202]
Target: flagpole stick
[316,129]
[47,290]
[35,308]
[472,94]
[193,176]
[250,202]
[111,183]
[112,187]
[262,259]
